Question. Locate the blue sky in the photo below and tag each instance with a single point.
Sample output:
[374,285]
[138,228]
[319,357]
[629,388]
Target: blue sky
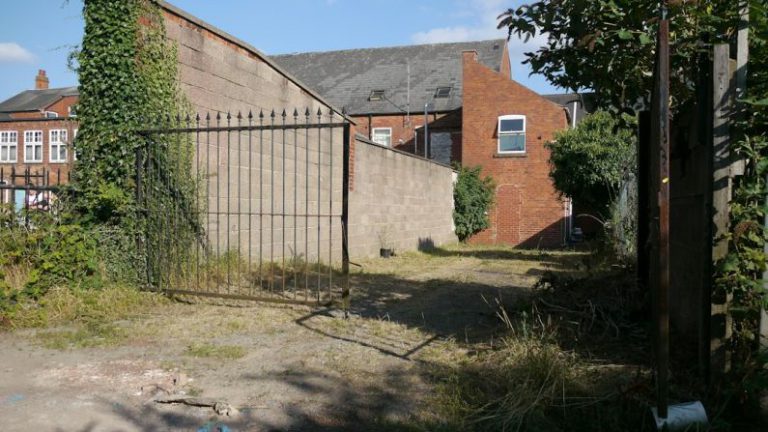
[273,27]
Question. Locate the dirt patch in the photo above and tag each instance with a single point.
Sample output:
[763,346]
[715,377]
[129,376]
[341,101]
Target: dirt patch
[280,368]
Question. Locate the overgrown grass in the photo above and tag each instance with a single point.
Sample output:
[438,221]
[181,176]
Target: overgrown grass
[218,352]
[88,335]
[60,306]
[531,384]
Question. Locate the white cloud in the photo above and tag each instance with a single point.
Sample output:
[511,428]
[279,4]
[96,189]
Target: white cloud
[482,16]
[11,52]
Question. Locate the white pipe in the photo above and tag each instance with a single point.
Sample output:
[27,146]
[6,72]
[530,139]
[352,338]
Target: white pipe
[573,117]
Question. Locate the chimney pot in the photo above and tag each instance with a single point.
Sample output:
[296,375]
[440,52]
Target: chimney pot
[41,80]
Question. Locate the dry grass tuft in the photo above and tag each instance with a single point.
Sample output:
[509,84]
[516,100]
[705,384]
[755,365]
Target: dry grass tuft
[218,352]
[72,305]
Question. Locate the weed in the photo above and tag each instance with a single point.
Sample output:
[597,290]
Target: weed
[87,336]
[79,306]
[219,352]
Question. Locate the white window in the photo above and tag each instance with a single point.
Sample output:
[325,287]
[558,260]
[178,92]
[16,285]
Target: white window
[33,146]
[512,134]
[50,114]
[9,144]
[57,140]
[382,136]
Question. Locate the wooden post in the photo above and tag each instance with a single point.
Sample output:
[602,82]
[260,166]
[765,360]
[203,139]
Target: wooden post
[721,196]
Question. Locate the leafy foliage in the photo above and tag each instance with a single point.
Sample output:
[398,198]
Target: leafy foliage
[740,272]
[591,161]
[607,46]
[128,75]
[473,198]
[128,78]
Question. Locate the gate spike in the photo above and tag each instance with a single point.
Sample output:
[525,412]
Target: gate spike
[250,115]
[187,118]
[295,113]
[208,116]
[239,116]
[261,113]
[283,114]
[218,115]
[272,114]
[178,117]
[197,118]
[319,111]
[306,113]
[229,116]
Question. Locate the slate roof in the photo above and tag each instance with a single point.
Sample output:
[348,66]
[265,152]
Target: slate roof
[584,104]
[35,100]
[347,78]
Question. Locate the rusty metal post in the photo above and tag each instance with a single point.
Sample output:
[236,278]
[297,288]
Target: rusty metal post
[660,124]
[345,217]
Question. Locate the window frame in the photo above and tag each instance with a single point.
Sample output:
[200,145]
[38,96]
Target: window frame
[373,135]
[50,114]
[41,143]
[500,134]
[376,95]
[58,143]
[9,144]
[447,95]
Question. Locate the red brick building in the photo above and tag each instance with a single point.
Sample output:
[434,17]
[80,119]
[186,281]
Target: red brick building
[475,115]
[36,132]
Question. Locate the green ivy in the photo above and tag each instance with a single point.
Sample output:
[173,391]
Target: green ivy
[472,197]
[128,82]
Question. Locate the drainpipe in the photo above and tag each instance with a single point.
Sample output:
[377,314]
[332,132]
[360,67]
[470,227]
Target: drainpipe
[370,128]
[426,130]
[573,117]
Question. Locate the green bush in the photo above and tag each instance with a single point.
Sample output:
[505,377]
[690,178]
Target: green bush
[591,161]
[472,198]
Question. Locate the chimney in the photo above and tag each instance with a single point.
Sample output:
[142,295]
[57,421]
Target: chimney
[41,81]
[469,55]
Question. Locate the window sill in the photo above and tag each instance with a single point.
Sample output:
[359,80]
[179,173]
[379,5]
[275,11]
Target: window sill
[510,155]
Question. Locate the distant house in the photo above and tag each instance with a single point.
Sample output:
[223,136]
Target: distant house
[454,102]
[36,132]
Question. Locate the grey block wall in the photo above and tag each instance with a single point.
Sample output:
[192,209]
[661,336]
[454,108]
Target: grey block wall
[255,184]
[399,200]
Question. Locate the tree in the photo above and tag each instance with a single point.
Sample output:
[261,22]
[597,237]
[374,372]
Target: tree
[591,161]
[607,46]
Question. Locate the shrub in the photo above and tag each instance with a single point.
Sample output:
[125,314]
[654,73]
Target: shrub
[472,198]
[591,162]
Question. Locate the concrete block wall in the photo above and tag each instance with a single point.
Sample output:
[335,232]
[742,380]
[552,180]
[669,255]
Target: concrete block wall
[255,184]
[398,200]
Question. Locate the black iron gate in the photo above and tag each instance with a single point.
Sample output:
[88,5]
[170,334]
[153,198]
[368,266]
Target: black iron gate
[250,207]
[26,192]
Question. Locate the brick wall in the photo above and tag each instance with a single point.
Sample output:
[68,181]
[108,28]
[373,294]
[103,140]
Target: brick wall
[219,74]
[528,210]
[399,200]
[56,171]
[407,131]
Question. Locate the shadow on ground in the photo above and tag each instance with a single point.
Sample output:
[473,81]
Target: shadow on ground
[460,307]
